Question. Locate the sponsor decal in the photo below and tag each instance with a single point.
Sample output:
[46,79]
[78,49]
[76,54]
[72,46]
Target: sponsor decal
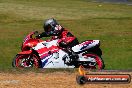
[83,78]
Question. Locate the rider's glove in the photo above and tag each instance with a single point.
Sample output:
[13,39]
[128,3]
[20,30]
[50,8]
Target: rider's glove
[38,36]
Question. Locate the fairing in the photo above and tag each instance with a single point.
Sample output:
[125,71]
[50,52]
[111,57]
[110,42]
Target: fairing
[25,52]
[29,44]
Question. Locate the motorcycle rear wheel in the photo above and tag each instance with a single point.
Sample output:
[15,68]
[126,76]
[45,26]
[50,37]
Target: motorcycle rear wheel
[99,62]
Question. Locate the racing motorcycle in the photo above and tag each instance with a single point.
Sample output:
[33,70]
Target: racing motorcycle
[48,54]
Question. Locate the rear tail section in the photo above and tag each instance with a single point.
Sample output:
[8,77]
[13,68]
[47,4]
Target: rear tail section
[85,45]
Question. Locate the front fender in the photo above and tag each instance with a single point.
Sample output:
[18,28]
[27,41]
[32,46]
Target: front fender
[25,52]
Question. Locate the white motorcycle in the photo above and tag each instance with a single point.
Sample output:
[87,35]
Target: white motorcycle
[47,54]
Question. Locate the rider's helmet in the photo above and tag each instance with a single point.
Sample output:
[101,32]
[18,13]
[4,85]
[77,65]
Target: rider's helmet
[52,27]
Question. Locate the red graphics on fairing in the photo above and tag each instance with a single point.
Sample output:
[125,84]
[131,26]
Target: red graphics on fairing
[29,42]
[48,54]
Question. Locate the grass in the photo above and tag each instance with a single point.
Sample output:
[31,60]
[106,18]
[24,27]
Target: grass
[110,23]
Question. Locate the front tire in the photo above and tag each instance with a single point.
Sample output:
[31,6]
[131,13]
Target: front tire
[23,61]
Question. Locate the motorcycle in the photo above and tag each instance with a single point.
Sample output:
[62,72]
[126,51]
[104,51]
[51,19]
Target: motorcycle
[48,54]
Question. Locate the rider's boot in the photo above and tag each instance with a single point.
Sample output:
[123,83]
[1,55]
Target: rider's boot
[72,55]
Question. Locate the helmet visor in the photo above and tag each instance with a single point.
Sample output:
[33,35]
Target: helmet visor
[47,28]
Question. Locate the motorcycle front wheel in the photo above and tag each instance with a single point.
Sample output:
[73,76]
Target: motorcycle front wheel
[25,61]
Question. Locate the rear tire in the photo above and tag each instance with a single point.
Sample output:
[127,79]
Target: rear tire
[98,65]
[99,62]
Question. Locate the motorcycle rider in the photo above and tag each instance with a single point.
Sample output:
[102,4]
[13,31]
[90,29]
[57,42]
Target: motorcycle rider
[67,40]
